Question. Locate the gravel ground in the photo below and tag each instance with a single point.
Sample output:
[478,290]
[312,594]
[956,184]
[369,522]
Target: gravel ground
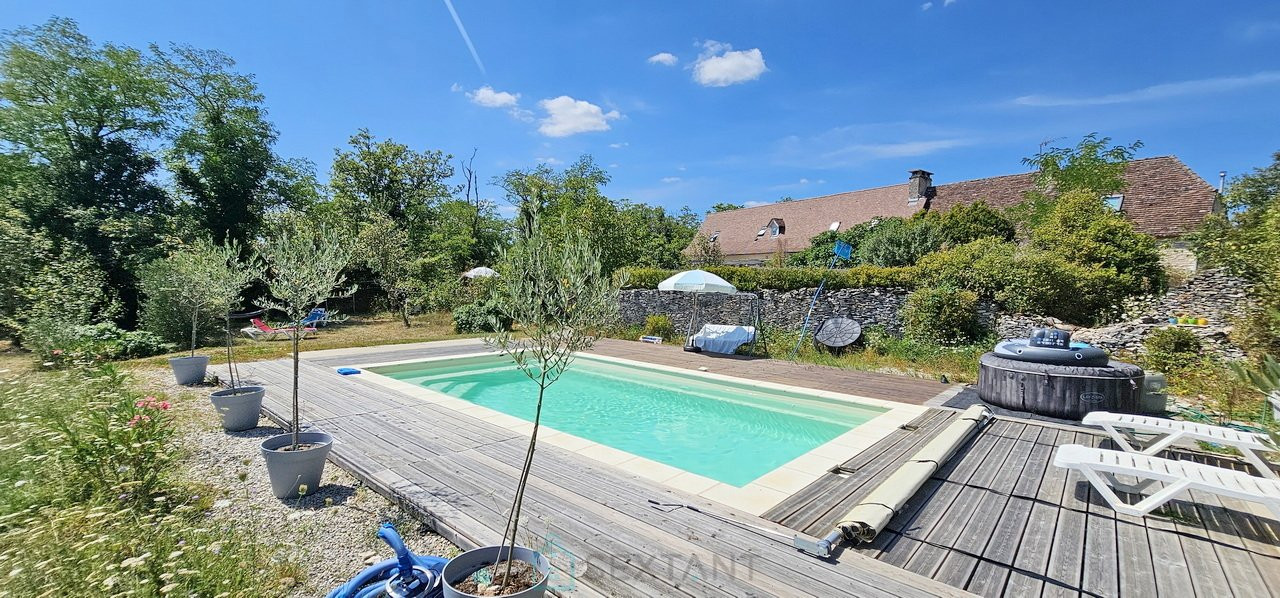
[330,534]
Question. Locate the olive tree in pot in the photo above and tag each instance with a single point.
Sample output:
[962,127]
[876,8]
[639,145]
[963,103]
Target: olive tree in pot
[558,297]
[305,269]
[203,279]
[239,405]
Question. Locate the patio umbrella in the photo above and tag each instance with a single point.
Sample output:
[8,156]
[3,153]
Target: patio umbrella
[481,272]
[696,282]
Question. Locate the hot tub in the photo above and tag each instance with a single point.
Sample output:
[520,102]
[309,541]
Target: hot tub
[1053,387]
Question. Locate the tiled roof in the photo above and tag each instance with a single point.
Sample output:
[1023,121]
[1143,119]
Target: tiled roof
[1163,198]
[804,219]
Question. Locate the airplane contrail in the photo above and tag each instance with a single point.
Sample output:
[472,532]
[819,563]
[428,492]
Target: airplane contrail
[466,38]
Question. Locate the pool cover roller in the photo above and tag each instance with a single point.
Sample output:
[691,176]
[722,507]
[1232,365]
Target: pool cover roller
[869,517]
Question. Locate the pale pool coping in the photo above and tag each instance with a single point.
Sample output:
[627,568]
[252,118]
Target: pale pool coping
[755,498]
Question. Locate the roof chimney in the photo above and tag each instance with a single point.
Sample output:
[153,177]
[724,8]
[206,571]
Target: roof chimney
[919,186]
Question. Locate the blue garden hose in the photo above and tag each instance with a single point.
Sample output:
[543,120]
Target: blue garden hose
[406,576]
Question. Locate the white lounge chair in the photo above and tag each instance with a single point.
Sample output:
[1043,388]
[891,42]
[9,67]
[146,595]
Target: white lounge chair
[1123,426]
[1101,467]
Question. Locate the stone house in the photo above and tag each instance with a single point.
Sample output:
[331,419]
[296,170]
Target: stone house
[1162,198]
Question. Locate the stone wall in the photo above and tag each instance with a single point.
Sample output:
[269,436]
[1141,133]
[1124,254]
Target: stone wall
[870,306]
[1212,294]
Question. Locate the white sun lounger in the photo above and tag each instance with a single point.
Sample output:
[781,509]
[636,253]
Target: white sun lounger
[1101,467]
[1168,431]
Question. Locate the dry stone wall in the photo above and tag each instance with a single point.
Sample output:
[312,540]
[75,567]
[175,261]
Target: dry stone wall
[870,306]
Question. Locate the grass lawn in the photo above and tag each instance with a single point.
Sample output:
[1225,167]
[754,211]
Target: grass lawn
[364,331]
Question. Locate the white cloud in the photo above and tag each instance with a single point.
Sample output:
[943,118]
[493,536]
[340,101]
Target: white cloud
[663,58]
[507,210]
[619,145]
[455,88]
[550,161]
[752,204]
[681,168]
[926,6]
[671,179]
[946,3]
[1156,92]
[490,98]
[720,65]
[843,147]
[613,165]
[567,116]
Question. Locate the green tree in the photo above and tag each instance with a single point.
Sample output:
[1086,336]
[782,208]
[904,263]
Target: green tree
[203,280]
[77,113]
[1093,164]
[725,207]
[392,179]
[383,247]
[706,252]
[305,268]
[1244,240]
[1084,230]
[222,160]
[559,294]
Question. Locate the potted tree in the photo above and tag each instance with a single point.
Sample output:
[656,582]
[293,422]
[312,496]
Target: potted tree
[202,280]
[560,299]
[239,405]
[305,270]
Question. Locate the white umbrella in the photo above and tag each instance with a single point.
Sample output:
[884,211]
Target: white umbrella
[481,272]
[696,282]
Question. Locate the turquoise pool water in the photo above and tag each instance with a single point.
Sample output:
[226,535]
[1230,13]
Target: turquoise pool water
[729,432]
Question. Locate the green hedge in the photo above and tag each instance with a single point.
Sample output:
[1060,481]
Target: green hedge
[784,279]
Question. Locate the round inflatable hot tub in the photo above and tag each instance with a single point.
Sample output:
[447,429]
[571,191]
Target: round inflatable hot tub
[1049,375]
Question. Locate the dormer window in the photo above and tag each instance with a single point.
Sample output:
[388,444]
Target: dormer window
[1115,202]
[777,227]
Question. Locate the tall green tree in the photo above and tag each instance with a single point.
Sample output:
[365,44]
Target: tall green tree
[222,160]
[78,113]
[1093,165]
[391,179]
[573,199]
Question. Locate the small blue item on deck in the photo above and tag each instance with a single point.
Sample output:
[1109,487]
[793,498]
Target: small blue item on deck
[348,371]
[407,574]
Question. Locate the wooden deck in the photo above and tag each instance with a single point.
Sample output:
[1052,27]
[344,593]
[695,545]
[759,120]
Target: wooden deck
[1000,520]
[596,523]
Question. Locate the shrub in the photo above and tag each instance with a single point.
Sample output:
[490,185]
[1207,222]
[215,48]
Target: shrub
[659,325]
[943,315]
[55,342]
[901,242]
[481,316]
[966,223]
[1171,349]
[79,460]
[786,279]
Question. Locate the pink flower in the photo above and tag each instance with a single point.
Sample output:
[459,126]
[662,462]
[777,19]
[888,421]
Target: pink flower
[137,419]
[164,405]
[141,403]
[57,351]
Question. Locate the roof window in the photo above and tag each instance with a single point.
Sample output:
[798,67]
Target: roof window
[1115,202]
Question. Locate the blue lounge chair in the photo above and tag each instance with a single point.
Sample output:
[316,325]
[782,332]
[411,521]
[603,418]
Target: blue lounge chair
[315,318]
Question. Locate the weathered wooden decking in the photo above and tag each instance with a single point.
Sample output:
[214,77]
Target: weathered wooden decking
[1000,520]
[596,523]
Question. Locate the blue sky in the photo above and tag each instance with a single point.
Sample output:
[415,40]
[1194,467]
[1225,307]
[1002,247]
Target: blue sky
[692,103]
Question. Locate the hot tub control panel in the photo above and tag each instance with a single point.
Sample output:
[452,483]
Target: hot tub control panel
[1051,338]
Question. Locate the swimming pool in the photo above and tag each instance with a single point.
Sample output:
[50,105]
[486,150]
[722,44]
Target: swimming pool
[729,431]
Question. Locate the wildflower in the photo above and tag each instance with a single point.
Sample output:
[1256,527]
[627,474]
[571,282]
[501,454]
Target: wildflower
[302,489]
[164,405]
[168,588]
[57,351]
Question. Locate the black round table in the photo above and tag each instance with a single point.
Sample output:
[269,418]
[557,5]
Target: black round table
[837,333]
